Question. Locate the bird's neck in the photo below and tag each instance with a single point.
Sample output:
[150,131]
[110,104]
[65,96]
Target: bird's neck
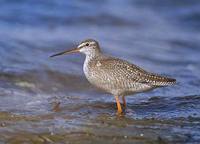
[88,59]
[91,55]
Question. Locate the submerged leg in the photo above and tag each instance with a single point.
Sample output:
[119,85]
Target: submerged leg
[119,108]
[124,101]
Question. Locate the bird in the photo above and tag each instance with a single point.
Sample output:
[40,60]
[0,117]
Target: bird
[114,75]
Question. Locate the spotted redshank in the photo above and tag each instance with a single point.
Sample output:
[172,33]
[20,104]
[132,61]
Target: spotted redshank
[116,76]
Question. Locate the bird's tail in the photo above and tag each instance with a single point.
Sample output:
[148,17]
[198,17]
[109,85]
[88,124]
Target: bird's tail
[158,80]
[168,81]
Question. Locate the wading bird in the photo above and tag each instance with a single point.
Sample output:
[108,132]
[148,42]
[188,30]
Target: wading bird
[116,76]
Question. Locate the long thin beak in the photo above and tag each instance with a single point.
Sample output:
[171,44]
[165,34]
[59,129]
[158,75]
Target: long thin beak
[74,50]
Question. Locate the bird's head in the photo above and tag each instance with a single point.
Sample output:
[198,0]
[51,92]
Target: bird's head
[89,47]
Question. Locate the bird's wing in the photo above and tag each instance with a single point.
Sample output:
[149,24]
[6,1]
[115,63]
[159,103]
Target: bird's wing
[126,71]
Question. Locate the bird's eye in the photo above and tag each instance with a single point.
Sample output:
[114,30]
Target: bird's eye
[87,44]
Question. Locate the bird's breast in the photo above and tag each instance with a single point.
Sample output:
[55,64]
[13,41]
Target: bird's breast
[92,71]
[87,68]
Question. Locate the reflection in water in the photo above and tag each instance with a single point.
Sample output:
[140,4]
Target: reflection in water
[45,100]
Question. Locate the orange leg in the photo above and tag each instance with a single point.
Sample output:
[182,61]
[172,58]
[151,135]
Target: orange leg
[119,108]
[124,101]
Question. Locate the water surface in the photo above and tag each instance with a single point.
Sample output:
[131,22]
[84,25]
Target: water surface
[49,100]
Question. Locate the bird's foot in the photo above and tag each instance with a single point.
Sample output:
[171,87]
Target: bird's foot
[120,114]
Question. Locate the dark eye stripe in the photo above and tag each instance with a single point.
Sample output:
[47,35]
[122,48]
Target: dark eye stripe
[87,44]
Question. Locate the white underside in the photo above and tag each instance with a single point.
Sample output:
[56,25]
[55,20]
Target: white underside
[85,66]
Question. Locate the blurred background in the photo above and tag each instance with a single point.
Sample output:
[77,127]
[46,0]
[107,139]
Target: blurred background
[159,35]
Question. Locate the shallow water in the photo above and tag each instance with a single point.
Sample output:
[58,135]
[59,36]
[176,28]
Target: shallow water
[49,100]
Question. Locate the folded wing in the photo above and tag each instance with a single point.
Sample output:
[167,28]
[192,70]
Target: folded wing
[124,70]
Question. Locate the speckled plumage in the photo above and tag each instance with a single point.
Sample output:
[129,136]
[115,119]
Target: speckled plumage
[116,76]
[120,77]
